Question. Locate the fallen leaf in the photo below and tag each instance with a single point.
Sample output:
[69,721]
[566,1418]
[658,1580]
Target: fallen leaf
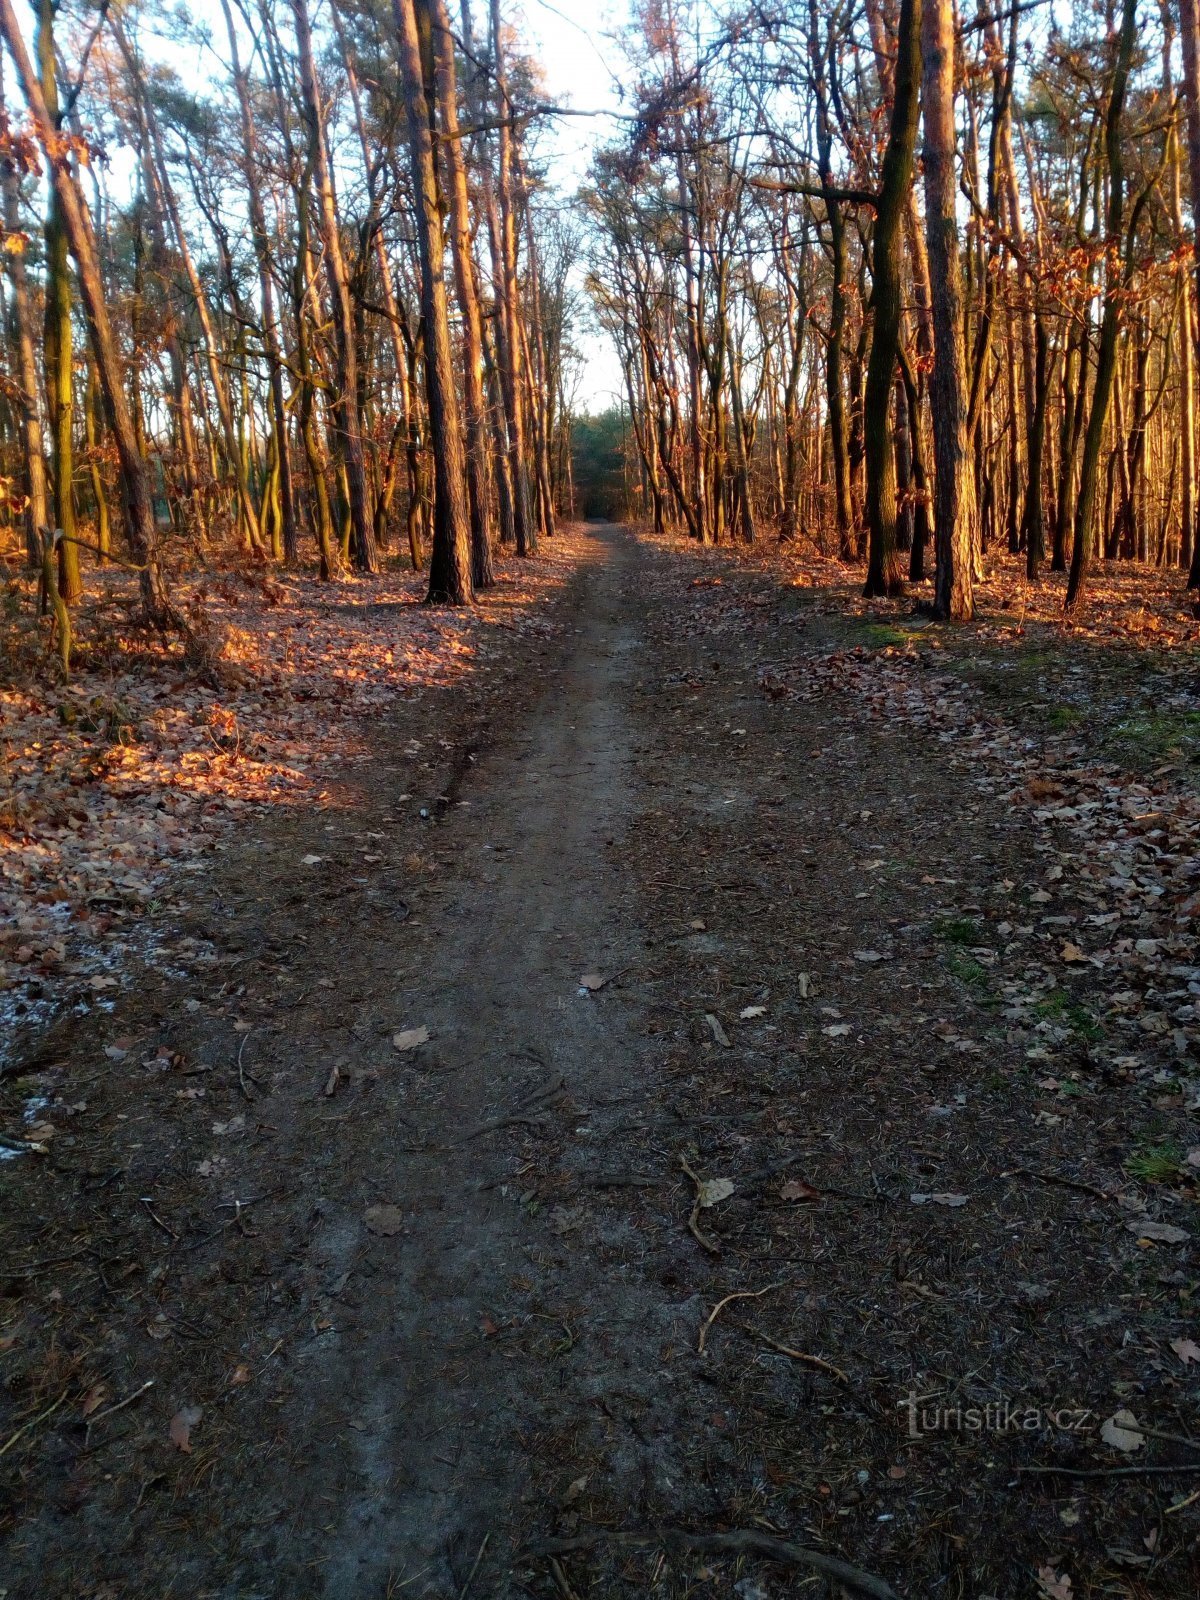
[797,1189]
[593,981]
[803,984]
[698,925]
[717,1031]
[714,1190]
[385,1220]
[747,1012]
[93,1399]
[1052,1585]
[938,1199]
[837,1030]
[331,1082]
[310,861]
[1159,1232]
[1186,1349]
[239,1376]
[867,955]
[410,1038]
[182,1423]
[1121,1431]
[1071,952]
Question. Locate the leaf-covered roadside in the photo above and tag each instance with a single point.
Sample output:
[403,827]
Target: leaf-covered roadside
[117,784]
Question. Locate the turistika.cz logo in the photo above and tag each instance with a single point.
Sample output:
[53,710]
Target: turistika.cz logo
[995,1416]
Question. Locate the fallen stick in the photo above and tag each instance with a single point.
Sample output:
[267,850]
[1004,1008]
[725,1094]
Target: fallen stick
[475,1568]
[521,1114]
[1102,1472]
[1059,1179]
[797,1355]
[32,1423]
[693,1221]
[111,1411]
[740,1294]
[740,1543]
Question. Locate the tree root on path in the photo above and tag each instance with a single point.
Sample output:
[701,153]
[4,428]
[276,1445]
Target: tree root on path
[742,1542]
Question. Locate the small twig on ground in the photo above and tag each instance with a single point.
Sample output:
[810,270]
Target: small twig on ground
[238,1207]
[797,1355]
[562,1581]
[1059,1179]
[51,1261]
[742,1542]
[111,1411]
[1103,1472]
[157,1220]
[521,1114]
[243,1073]
[32,1423]
[619,1180]
[740,1294]
[471,1575]
[693,1221]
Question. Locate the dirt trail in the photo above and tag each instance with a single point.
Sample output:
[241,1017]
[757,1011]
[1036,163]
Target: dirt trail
[444,1411]
[804,913]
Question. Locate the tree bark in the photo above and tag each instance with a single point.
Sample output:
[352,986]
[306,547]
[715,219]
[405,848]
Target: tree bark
[345,412]
[884,574]
[954,505]
[135,479]
[450,561]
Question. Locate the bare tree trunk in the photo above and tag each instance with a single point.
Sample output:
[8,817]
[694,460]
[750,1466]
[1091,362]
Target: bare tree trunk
[1115,280]
[345,399]
[468,299]
[58,339]
[266,286]
[135,479]
[450,561]
[36,500]
[955,488]
[884,575]
[508,302]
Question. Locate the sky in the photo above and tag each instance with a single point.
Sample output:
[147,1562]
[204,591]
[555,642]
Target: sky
[573,41]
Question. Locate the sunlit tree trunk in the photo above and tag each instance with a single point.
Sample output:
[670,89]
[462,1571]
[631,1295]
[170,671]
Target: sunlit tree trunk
[347,430]
[468,298]
[884,574]
[450,560]
[1115,278]
[36,499]
[266,288]
[955,489]
[135,478]
[58,337]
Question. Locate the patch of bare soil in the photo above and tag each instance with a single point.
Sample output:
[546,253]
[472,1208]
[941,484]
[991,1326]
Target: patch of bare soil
[768,1172]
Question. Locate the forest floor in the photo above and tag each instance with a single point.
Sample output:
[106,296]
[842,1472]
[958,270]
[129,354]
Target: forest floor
[720,1057]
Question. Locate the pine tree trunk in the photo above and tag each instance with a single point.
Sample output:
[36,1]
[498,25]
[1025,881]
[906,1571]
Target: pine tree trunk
[450,561]
[884,574]
[345,400]
[954,505]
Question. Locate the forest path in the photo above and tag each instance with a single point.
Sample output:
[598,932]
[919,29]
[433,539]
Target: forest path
[438,1364]
[465,1304]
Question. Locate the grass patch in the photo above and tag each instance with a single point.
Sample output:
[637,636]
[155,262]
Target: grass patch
[1160,734]
[957,930]
[1154,1163]
[1058,1006]
[1060,718]
[967,970]
[881,635]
